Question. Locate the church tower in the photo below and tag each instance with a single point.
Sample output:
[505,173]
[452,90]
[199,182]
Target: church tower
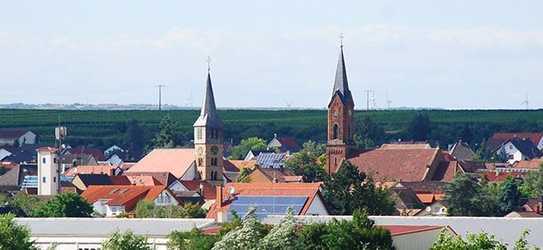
[208,139]
[340,119]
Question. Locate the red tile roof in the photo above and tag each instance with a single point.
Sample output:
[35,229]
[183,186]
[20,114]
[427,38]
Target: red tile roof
[175,161]
[98,169]
[531,164]
[492,176]
[12,133]
[498,138]
[397,164]
[237,165]
[122,195]
[96,153]
[208,189]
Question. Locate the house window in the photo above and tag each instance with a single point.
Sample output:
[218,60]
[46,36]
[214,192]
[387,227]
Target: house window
[43,160]
[54,179]
[200,162]
[55,160]
[43,179]
[214,161]
[335,131]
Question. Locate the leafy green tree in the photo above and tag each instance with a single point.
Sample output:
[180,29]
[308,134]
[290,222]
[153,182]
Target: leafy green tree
[509,197]
[147,209]
[310,237]
[420,127]
[65,205]
[282,236]
[234,223]
[368,134]
[307,162]
[483,241]
[13,236]
[252,143]
[532,186]
[360,233]
[126,241]
[167,136]
[24,202]
[134,140]
[348,189]
[245,237]
[190,240]
[465,196]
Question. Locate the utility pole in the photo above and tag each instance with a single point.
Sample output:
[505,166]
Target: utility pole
[367,91]
[526,102]
[388,100]
[160,86]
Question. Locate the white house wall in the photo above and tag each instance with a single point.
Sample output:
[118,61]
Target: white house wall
[317,207]
[416,241]
[75,243]
[27,138]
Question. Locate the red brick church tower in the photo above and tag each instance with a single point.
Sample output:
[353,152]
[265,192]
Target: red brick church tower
[340,119]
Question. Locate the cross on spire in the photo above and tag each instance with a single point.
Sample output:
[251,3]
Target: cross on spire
[341,36]
[208,64]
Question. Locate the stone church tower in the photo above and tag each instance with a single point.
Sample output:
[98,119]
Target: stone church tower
[209,139]
[340,119]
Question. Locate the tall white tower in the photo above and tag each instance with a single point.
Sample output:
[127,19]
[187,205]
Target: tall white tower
[48,179]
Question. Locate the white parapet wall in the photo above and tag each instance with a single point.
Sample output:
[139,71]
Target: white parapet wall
[505,229]
[89,233]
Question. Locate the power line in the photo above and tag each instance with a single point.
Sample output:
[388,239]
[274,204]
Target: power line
[160,86]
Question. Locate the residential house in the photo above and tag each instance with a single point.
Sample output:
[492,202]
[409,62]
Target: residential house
[283,144]
[400,162]
[271,160]
[498,139]
[233,168]
[267,199]
[97,154]
[83,181]
[114,200]
[180,162]
[412,237]
[273,175]
[92,169]
[461,151]
[406,201]
[24,154]
[518,150]
[533,164]
[252,154]
[16,137]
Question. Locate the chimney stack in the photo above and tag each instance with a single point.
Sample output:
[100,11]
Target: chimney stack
[219,197]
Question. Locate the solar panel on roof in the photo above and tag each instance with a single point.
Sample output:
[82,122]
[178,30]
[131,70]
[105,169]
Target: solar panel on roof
[268,205]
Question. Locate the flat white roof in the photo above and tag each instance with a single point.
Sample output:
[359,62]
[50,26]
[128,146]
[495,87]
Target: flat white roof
[103,227]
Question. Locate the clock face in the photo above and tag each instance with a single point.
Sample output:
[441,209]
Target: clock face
[200,151]
[214,150]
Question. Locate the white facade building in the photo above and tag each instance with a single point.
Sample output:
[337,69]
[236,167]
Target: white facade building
[48,179]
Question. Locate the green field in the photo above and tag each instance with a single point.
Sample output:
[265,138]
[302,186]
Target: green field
[103,128]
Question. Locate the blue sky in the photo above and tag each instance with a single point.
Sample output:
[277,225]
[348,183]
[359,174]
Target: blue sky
[448,54]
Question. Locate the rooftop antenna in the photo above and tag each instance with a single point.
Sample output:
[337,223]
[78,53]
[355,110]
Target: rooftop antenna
[208,64]
[526,102]
[160,86]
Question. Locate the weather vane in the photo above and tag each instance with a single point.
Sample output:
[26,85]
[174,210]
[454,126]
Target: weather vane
[208,64]
[341,39]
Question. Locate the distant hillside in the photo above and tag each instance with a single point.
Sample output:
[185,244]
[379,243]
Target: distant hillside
[105,127]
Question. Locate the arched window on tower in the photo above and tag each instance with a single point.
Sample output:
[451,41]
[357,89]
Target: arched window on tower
[335,131]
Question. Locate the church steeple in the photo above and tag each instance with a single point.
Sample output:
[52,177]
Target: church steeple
[209,139]
[341,83]
[340,118]
[208,114]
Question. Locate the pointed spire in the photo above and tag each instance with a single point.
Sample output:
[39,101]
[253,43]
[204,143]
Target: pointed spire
[340,83]
[208,114]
